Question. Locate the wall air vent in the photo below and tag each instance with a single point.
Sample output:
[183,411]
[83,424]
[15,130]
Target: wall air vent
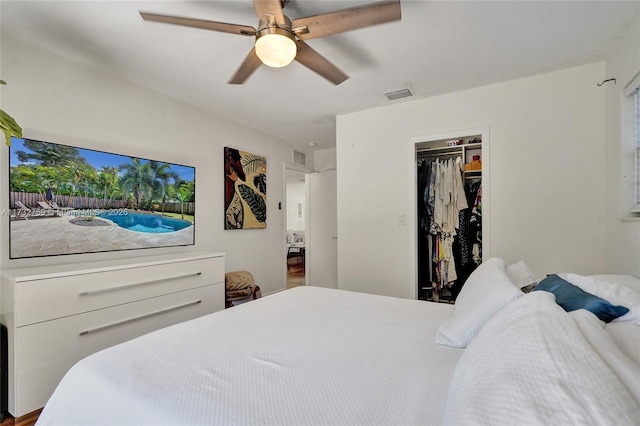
[398,94]
[299,158]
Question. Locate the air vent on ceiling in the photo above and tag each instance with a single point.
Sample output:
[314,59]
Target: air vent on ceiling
[398,94]
[299,158]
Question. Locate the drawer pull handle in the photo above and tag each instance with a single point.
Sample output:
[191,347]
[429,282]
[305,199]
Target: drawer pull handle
[123,287]
[116,324]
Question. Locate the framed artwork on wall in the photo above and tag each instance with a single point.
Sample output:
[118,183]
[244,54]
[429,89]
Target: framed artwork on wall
[245,190]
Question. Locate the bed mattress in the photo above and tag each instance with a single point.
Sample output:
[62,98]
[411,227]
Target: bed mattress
[307,355]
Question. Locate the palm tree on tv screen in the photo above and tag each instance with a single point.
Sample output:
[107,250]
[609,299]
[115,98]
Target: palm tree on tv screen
[107,181]
[77,174]
[161,176]
[184,192]
[136,178]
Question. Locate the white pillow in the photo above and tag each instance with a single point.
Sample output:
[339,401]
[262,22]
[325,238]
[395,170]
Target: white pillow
[531,365]
[521,275]
[487,290]
[613,293]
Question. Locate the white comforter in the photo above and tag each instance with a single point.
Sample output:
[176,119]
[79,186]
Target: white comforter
[532,364]
[303,356]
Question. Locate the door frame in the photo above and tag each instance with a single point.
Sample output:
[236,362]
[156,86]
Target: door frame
[486,186]
[291,167]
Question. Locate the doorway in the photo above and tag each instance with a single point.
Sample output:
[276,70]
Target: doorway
[296,227]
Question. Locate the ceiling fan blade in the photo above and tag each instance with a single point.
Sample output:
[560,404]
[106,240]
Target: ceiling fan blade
[269,7]
[348,19]
[250,64]
[200,23]
[317,63]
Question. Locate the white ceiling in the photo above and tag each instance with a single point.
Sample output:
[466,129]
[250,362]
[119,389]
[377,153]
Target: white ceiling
[438,47]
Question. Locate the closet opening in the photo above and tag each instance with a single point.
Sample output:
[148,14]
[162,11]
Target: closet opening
[450,206]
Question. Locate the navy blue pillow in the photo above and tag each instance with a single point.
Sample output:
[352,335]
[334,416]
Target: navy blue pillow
[571,298]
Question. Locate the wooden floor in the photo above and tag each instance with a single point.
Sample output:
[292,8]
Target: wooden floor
[295,275]
[26,420]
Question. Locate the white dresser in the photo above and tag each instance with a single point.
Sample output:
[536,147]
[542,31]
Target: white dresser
[57,315]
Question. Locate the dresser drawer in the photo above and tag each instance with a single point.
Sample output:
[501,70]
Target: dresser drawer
[50,298]
[44,352]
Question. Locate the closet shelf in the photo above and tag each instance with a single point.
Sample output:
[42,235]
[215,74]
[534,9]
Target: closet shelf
[452,148]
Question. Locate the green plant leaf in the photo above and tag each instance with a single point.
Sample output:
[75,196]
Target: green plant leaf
[9,127]
[7,136]
[255,202]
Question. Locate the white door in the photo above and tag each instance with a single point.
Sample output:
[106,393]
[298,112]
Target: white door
[322,241]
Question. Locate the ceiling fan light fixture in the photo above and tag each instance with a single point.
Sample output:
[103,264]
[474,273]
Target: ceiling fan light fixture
[279,40]
[276,47]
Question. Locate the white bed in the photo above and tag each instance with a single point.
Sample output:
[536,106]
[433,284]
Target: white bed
[315,356]
[303,356]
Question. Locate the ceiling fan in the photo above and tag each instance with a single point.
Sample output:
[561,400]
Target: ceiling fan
[280,40]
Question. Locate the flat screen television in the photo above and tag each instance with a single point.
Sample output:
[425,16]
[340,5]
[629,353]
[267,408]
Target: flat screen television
[69,200]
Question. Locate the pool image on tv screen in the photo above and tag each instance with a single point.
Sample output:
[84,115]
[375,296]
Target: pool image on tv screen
[69,200]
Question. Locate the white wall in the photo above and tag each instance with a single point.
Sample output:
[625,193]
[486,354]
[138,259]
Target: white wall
[57,100]
[547,174]
[296,194]
[623,232]
[324,159]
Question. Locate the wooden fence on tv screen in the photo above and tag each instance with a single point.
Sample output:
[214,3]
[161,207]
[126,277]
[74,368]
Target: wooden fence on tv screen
[77,202]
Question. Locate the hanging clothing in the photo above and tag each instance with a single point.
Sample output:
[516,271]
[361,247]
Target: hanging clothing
[446,195]
[476,221]
[466,237]
[465,240]
[424,218]
[435,197]
[443,199]
[448,242]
